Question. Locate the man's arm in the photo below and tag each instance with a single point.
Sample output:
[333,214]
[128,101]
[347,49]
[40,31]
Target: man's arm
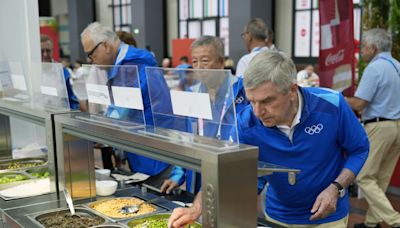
[356,145]
[183,216]
[357,104]
[325,204]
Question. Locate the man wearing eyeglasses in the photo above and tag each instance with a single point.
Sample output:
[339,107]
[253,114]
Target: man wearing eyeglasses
[254,36]
[103,47]
[46,46]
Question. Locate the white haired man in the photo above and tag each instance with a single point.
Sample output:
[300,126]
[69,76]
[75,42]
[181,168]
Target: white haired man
[377,98]
[103,47]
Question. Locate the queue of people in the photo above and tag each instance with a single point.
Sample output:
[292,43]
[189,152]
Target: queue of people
[283,113]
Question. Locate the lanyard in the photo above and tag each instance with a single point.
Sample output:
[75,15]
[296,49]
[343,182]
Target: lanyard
[390,61]
[223,112]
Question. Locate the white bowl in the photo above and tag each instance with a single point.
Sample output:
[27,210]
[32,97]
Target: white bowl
[106,187]
[102,174]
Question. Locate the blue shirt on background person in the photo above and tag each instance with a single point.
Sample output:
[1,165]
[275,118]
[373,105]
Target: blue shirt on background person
[380,72]
[222,130]
[129,55]
[73,100]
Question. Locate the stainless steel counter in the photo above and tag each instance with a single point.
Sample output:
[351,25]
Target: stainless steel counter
[14,213]
[222,166]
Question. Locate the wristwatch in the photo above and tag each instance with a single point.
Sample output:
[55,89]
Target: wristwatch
[340,188]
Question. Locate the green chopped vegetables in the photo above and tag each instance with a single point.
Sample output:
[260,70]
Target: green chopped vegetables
[20,165]
[39,172]
[158,223]
[153,223]
[12,178]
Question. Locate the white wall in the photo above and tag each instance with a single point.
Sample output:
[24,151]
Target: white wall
[284,25]
[20,41]
[172,23]
[19,26]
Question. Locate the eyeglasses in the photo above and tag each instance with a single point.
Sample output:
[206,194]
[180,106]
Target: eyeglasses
[243,34]
[90,53]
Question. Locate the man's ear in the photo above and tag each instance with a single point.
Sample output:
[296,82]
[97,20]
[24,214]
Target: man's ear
[375,49]
[293,89]
[107,47]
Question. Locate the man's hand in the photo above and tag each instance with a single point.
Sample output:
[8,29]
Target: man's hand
[183,216]
[168,186]
[325,204]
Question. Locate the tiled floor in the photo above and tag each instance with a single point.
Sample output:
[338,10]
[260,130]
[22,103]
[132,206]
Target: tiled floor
[359,207]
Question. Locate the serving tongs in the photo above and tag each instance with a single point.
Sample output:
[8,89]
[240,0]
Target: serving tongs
[69,202]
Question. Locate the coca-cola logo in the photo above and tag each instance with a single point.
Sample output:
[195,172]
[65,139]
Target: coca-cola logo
[334,58]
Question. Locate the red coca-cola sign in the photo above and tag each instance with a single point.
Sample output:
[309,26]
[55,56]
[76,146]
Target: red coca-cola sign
[334,58]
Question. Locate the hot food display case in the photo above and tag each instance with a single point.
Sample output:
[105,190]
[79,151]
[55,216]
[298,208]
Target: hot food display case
[228,170]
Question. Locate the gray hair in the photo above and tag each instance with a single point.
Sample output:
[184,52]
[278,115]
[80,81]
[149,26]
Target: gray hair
[270,66]
[380,38]
[99,33]
[257,28]
[269,34]
[208,41]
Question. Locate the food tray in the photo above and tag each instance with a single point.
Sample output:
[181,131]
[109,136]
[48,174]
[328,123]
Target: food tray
[36,177]
[138,223]
[82,212]
[38,172]
[112,204]
[13,175]
[22,163]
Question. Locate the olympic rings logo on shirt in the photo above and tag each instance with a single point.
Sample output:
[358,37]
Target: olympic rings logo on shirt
[314,129]
[239,99]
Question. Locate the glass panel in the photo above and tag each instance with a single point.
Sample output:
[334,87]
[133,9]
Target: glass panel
[183,29]
[117,14]
[183,9]
[209,27]
[194,29]
[315,34]
[27,171]
[200,102]
[303,4]
[223,8]
[114,95]
[315,4]
[224,33]
[49,87]
[302,34]
[126,14]
[210,8]
[196,9]
[13,81]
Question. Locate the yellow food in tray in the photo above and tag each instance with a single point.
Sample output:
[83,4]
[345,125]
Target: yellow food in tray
[112,207]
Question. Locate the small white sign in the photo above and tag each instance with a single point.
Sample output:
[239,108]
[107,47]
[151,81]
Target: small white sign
[98,94]
[47,90]
[127,97]
[19,81]
[191,104]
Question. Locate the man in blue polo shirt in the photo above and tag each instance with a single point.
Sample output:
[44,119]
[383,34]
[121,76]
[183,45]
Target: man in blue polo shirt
[103,47]
[301,128]
[377,98]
